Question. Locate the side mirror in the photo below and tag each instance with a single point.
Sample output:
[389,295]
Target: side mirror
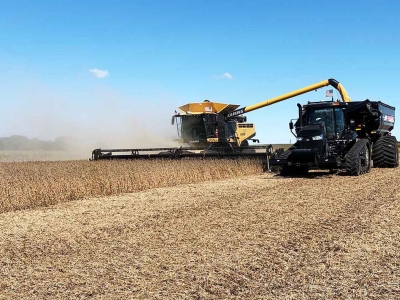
[173,120]
[352,125]
[291,126]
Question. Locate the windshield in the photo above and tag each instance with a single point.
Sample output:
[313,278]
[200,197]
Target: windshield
[333,119]
[193,128]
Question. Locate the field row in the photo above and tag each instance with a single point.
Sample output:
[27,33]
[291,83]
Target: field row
[33,184]
[255,237]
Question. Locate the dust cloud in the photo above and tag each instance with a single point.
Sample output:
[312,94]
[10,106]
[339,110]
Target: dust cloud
[99,118]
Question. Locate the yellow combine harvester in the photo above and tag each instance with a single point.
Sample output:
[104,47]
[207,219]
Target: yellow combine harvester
[204,130]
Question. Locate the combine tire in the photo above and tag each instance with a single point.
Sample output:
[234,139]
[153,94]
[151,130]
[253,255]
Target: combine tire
[385,153]
[358,159]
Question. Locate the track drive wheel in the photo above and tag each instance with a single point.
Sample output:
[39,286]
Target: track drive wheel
[358,159]
[385,152]
[286,171]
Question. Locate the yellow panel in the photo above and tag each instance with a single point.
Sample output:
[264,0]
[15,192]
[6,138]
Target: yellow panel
[212,140]
[224,108]
[207,107]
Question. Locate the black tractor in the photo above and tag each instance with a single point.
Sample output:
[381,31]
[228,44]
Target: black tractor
[331,135]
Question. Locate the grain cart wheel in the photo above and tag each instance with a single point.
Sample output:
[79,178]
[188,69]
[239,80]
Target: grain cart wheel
[366,159]
[385,152]
[358,159]
[396,163]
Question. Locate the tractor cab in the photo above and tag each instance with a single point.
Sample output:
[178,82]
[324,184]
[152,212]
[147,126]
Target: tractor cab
[319,127]
[330,119]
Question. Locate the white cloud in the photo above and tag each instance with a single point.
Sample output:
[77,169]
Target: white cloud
[227,76]
[99,73]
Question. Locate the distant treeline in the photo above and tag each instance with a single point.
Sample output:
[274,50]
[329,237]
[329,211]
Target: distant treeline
[19,142]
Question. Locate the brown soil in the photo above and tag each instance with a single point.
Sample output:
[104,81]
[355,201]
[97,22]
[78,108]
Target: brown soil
[255,237]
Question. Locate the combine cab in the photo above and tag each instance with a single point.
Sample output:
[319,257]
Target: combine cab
[204,124]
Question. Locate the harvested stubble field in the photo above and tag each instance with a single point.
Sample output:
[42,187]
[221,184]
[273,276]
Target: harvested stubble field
[251,237]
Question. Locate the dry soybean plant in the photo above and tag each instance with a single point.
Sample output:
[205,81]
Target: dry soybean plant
[33,184]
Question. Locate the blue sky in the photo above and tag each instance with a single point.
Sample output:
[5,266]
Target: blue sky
[162,54]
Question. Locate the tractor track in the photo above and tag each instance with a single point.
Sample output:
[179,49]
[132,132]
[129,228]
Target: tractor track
[257,237]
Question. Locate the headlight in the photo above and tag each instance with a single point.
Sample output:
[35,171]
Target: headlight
[299,138]
[318,137]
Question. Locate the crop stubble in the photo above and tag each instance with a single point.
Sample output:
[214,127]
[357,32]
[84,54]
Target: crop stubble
[256,237]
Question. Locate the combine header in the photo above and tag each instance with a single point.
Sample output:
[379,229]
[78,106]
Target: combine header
[175,153]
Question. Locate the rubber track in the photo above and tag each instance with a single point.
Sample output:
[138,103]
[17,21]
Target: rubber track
[385,153]
[353,159]
[285,154]
[289,170]
[285,170]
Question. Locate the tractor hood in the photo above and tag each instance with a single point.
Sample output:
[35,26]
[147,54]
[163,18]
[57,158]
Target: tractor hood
[311,130]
